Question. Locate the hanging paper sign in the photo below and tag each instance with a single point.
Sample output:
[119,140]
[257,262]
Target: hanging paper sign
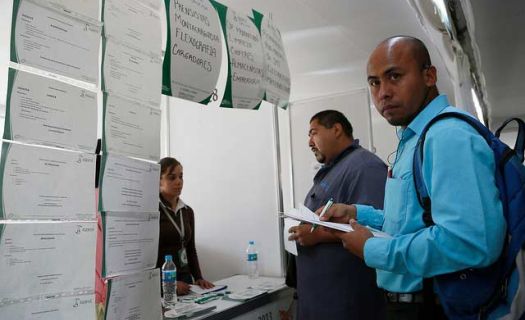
[134,24]
[131,74]
[51,41]
[44,111]
[87,10]
[276,75]
[194,50]
[244,87]
[130,129]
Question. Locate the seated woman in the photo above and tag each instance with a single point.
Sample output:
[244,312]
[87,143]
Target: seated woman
[177,228]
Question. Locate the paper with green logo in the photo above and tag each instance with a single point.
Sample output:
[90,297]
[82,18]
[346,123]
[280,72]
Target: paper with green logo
[45,111]
[54,42]
[46,260]
[42,183]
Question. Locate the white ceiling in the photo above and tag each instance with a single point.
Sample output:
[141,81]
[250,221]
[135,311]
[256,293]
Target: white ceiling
[328,42]
[499,33]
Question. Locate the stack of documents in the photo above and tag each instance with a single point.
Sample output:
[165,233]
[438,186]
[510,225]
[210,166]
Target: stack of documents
[183,310]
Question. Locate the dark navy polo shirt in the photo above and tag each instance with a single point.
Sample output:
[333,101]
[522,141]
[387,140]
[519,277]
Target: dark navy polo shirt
[331,282]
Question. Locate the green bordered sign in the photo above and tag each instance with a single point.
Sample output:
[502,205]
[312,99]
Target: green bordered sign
[193,56]
[276,75]
[244,87]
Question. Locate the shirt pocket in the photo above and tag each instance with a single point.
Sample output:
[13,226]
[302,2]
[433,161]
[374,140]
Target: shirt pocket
[395,210]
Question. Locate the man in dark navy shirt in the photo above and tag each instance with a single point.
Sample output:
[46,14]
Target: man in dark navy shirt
[332,283]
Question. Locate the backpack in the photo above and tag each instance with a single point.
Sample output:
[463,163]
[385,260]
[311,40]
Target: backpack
[499,289]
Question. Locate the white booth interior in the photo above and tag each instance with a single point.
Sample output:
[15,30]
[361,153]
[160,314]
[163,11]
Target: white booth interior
[244,168]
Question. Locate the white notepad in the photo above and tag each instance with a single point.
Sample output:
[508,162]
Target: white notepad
[306,215]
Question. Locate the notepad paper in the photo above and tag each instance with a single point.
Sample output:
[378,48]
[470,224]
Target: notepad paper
[290,246]
[199,290]
[306,215]
[246,294]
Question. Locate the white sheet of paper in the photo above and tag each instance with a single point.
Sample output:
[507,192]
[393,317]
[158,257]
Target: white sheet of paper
[43,183]
[133,24]
[131,242]
[194,70]
[132,74]
[290,246]
[267,286]
[83,9]
[246,61]
[49,112]
[68,307]
[129,185]
[135,297]
[131,129]
[54,42]
[46,260]
[305,214]
[198,290]
[246,294]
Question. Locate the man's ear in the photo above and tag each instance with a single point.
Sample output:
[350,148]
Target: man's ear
[430,76]
[338,129]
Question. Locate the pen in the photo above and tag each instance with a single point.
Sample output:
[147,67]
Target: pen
[326,207]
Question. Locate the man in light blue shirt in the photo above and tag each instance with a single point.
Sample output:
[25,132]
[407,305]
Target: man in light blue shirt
[459,173]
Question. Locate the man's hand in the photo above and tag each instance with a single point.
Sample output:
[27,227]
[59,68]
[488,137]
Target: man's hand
[182,288]
[338,212]
[354,241]
[204,284]
[303,236]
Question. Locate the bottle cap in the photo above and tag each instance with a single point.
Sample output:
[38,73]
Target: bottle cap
[168,257]
[251,242]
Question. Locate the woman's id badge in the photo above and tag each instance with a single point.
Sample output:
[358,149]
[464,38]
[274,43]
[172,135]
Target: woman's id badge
[183,258]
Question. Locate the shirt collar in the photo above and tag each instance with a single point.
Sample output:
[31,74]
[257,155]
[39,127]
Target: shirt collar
[428,113]
[347,150]
[180,204]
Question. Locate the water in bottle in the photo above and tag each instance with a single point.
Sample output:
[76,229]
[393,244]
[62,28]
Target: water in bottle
[251,260]
[169,281]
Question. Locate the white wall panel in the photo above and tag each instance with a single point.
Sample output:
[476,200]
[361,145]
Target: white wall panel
[229,180]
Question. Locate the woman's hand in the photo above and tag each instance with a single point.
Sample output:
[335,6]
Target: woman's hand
[204,284]
[182,288]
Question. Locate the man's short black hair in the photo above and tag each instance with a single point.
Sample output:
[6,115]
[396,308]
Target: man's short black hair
[328,118]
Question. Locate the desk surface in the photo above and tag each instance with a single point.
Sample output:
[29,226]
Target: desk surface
[227,309]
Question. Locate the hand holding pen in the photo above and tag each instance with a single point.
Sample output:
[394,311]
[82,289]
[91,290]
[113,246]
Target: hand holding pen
[341,213]
[326,207]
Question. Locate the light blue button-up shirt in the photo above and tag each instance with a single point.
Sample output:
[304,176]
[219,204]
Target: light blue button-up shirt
[459,172]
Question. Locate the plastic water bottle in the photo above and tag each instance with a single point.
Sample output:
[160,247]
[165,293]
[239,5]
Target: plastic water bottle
[169,280]
[251,260]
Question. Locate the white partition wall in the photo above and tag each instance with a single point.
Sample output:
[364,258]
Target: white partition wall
[229,180]
[354,105]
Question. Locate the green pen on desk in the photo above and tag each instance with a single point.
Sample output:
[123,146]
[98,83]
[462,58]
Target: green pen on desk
[326,207]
